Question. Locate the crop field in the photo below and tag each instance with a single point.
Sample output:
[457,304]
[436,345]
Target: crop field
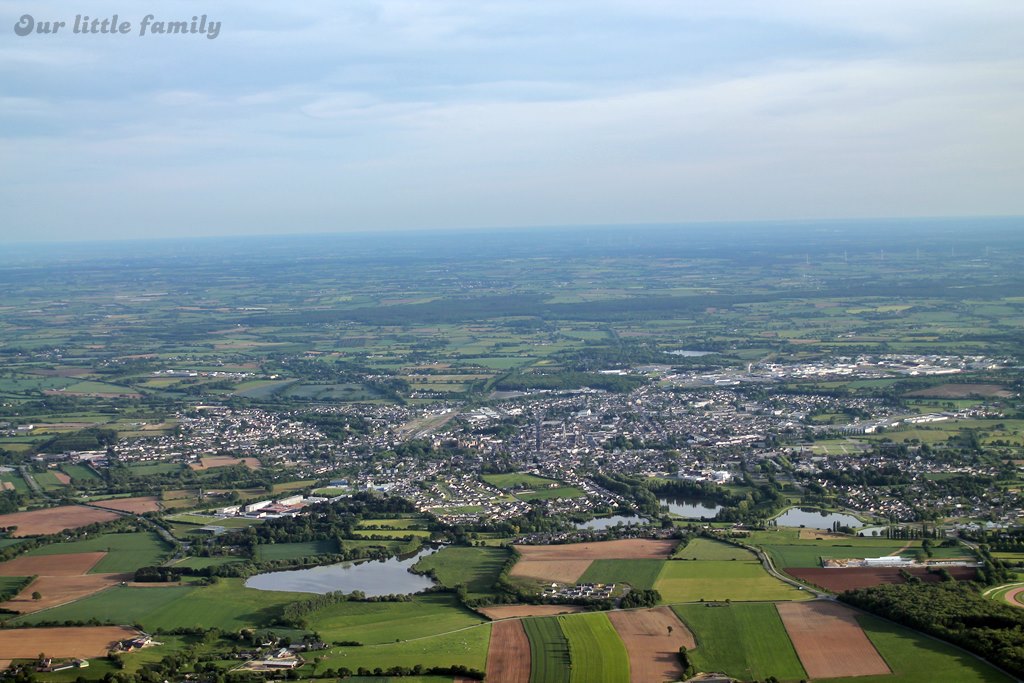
[386,622]
[915,658]
[467,647]
[294,551]
[215,461]
[707,549]
[227,605]
[640,574]
[566,563]
[475,568]
[508,657]
[743,641]
[70,564]
[596,653]
[839,580]
[124,552]
[653,638]
[82,641]
[517,611]
[58,590]
[52,520]
[682,581]
[138,504]
[829,641]
[549,650]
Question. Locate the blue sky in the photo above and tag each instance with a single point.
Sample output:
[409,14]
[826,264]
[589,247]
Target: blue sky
[361,115]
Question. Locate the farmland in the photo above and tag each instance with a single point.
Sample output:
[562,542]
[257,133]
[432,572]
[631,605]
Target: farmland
[84,642]
[549,650]
[640,574]
[475,568]
[653,639]
[125,552]
[384,622]
[829,641]
[744,641]
[682,581]
[52,520]
[596,653]
[508,657]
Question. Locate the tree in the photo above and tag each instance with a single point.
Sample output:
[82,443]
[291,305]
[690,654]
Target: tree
[36,595]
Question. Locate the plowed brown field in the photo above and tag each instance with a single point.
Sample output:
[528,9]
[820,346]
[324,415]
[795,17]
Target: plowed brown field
[513,611]
[653,649]
[62,478]
[839,580]
[138,505]
[83,642]
[58,590]
[563,571]
[508,657]
[72,564]
[225,461]
[829,641]
[52,520]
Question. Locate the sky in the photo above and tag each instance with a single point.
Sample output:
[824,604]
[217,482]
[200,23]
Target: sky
[363,115]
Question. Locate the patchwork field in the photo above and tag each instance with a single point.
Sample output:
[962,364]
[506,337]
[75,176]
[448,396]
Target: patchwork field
[567,563]
[518,611]
[829,641]
[743,641]
[596,652]
[125,552]
[508,656]
[652,638]
[83,642]
[52,520]
[717,580]
[839,580]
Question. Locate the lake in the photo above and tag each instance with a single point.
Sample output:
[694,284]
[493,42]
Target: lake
[602,523]
[690,508]
[372,577]
[815,519]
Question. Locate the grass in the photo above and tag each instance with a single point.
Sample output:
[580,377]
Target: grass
[743,641]
[295,551]
[475,568]
[915,658]
[396,523]
[227,605]
[79,472]
[596,653]
[204,562]
[391,533]
[125,552]
[545,494]
[374,623]
[517,480]
[706,549]
[549,650]
[467,647]
[640,574]
[718,580]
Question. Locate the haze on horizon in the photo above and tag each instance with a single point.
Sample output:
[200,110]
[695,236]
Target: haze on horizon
[376,115]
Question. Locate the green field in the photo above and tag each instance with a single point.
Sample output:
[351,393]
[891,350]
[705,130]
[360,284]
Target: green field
[544,494]
[204,562]
[706,549]
[391,533]
[395,523]
[721,580]
[295,551]
[79,472]
[549,650]
[744,641]
[385,622]
[227,605]
[125,552]
[640,574]
[467,647]
[915,658]
[517,480]
[596,653]
[475,568]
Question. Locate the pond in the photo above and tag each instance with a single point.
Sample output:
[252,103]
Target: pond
[372,577]
[687,353]
[601,523]
[690,508]
[815,519]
